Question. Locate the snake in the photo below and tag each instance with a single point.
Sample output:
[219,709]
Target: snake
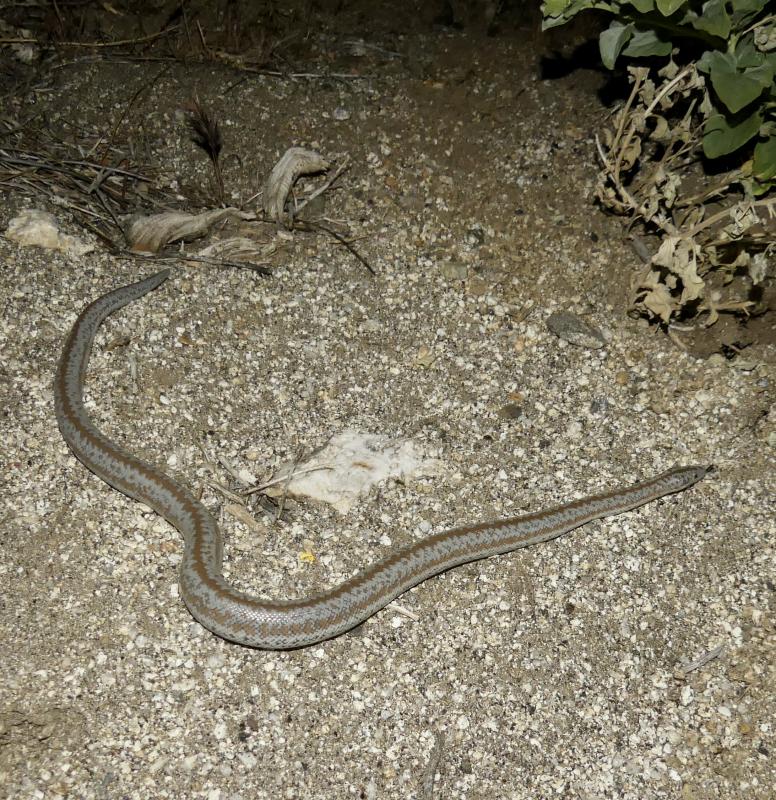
[293,623]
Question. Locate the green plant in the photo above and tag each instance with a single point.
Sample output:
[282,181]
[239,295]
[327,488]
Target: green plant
[708,88]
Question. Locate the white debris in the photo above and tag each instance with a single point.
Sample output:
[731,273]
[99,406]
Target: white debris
[37,227]
[349,465]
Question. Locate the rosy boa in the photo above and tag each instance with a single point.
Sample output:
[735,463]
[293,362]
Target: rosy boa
[281,624]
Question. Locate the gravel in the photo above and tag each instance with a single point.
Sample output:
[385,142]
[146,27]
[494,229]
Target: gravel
[633,658]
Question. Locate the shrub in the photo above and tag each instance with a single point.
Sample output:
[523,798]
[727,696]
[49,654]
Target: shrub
[702,92]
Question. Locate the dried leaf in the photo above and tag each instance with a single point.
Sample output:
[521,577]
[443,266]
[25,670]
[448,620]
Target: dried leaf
[694,217]
[639,121]
[665,254]
[761,266]
[151,234]
[743,217]
[661,131]
[630,154]
[295,161]
[424,358]
[669,71]
[658,302]
[680,257]
[647,94]
[238,248]
[670,188]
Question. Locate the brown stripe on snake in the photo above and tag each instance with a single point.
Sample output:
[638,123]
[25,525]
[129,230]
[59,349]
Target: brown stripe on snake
[257,622]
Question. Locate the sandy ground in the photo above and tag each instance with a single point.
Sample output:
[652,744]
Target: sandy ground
[633,658]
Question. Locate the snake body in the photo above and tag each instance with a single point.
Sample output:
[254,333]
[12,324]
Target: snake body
[257,622]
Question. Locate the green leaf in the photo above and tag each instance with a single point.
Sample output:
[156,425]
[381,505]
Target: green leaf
[612,40]
[721,136]
[643,6]
[646,43]
[552,22]
[714,19]
[759,189]
[747,54]
[746,10]
[734,88]
[704,62]
[748,6]
[558,12]
[764,167]
[762,75]
[554,8]
[668,7]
